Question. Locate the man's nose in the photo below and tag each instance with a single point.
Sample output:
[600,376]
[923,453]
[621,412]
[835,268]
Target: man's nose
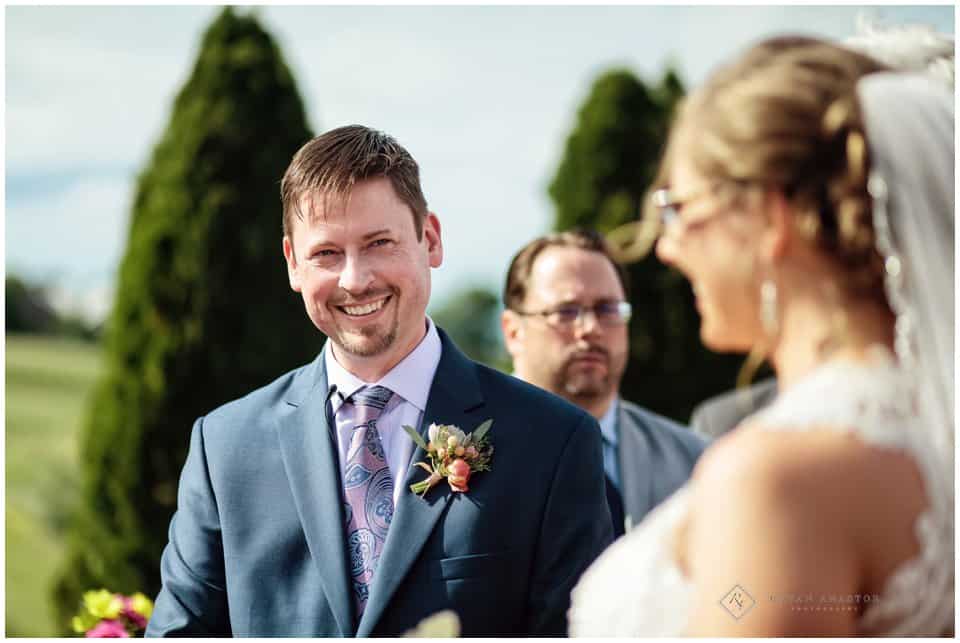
[586,322]
[356,275]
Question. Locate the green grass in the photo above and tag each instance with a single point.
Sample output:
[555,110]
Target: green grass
[48,383]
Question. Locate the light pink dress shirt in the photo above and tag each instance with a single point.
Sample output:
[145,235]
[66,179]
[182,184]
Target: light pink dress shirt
[410,381]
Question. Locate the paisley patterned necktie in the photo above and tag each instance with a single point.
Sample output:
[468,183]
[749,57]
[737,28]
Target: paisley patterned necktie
[367,490]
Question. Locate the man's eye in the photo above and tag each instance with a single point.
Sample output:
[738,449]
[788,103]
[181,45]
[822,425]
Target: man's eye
[325,253]
[379,243]
[567,312]
[607,309]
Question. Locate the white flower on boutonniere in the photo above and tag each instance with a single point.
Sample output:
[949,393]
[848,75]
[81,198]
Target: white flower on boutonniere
[454,455]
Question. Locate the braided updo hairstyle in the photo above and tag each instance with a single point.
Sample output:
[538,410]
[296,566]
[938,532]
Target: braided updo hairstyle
[785,116]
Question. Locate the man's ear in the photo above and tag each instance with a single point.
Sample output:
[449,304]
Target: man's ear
[431,230]
[512,327]
[292,273]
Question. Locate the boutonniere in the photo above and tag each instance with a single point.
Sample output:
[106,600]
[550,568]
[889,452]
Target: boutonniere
[452,454]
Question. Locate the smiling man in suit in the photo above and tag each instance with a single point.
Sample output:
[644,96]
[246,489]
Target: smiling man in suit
[565,326]
[295,516]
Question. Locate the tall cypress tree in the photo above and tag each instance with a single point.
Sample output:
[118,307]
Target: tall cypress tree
[472,319]
[203,313]
[609,162]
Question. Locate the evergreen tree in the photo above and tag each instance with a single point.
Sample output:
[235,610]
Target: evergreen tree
[202,314]
[472,319]
[28,309]
[609,162]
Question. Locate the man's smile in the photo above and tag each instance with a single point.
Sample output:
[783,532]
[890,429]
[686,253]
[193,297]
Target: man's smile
[363,310]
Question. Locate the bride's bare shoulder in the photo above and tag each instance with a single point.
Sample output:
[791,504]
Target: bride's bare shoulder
[812,458]
[848,486]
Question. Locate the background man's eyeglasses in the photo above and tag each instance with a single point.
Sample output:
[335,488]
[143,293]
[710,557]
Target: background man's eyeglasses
[608,313]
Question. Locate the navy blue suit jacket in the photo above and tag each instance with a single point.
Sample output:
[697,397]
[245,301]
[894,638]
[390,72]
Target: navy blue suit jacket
[257,543]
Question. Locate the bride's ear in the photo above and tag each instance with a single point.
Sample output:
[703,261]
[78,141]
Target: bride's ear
[780,231]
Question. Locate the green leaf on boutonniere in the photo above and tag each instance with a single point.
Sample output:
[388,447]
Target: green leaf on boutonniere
[418,440]
[482,430]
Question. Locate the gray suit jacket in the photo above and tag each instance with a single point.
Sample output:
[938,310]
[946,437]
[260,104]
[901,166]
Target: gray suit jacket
[656,458]
[721,413]
[257,543]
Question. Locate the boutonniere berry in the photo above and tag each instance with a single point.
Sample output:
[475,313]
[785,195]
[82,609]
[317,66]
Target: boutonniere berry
[453,455]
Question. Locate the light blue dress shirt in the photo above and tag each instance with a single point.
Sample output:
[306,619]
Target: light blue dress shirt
[608,430]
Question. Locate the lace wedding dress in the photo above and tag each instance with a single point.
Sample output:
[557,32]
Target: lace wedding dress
[875,402]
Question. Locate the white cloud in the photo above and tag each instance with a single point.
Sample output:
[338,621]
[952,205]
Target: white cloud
[93,84]
[92,305]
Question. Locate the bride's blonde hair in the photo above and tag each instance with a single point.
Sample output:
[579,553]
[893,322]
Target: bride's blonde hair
[785,117]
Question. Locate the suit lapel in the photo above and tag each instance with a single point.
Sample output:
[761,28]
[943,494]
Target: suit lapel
[455,390]
[636,473]
[312,467]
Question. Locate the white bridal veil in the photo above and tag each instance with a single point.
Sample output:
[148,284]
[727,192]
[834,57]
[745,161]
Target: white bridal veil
[909,122]
[910,132]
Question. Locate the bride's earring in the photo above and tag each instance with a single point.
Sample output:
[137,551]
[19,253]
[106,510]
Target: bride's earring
[769,314]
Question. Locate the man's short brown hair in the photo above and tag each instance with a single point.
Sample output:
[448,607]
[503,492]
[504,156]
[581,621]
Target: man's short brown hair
[518,276]
[332,163]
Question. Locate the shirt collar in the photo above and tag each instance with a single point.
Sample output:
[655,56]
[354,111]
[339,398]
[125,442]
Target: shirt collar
[410,379]
[608,423]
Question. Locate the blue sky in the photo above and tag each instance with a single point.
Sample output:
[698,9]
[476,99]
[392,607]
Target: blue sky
[483,97]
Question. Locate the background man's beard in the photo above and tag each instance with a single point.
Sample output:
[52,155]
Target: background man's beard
[576,384]
[585,386]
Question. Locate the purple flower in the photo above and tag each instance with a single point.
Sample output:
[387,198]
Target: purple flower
[108,629]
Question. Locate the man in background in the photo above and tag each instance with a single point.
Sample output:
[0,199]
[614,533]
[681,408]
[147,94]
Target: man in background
[565,326]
